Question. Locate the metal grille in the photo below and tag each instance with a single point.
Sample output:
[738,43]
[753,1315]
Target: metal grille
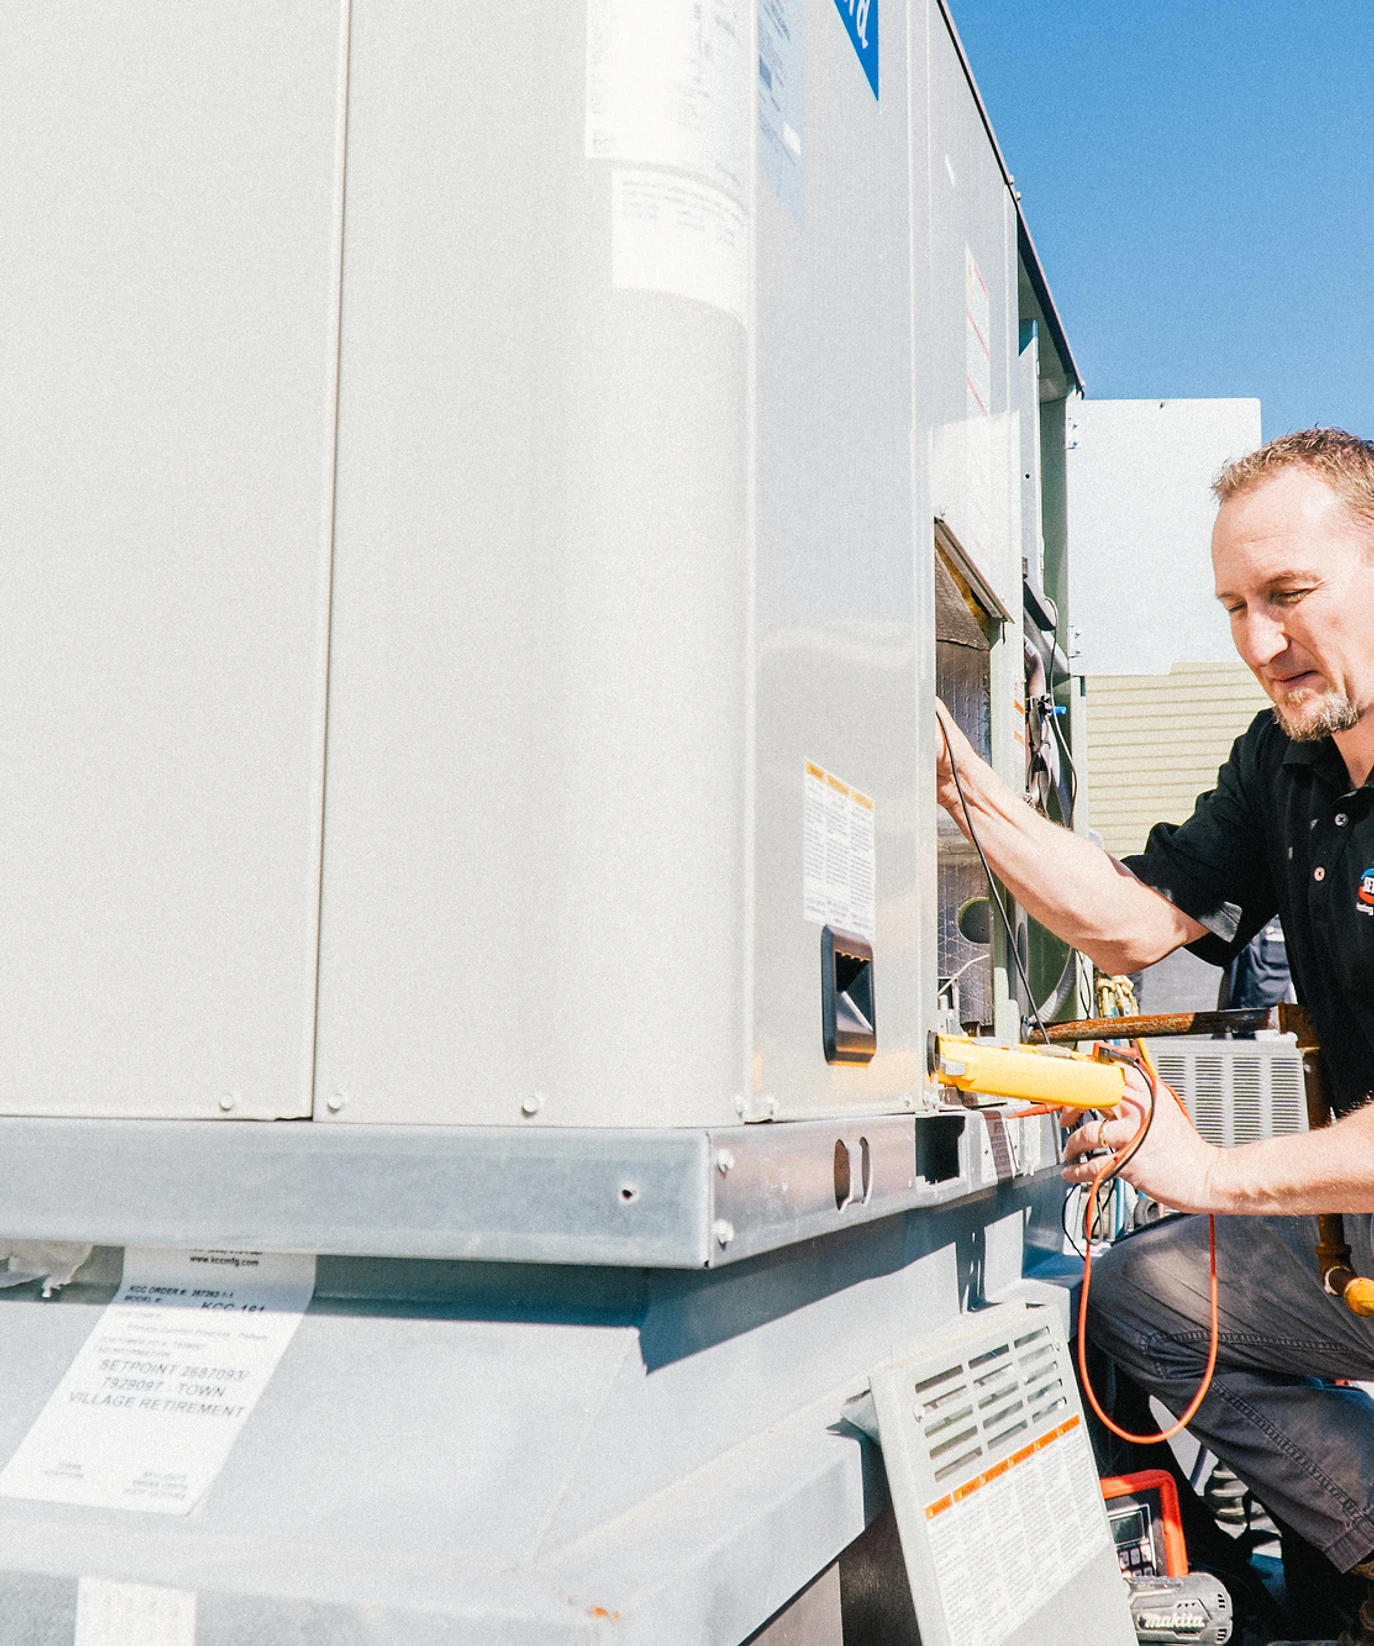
[978,1408]
[962,679]
[1237,1091]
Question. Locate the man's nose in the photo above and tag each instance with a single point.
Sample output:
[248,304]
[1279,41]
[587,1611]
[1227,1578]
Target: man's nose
[1260,639]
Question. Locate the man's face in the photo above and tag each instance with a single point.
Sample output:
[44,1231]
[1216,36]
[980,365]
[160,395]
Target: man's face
[1295,572]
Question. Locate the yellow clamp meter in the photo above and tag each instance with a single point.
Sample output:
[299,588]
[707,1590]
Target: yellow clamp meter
[1036,1074]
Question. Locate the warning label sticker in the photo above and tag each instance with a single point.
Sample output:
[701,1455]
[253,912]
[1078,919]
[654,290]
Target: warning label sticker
[839,854]
[998,1557]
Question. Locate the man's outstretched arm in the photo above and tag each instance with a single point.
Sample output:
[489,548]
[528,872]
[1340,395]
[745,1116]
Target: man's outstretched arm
[1331,1170]
[1060,879]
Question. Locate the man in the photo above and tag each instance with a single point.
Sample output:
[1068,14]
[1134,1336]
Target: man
[1289,830]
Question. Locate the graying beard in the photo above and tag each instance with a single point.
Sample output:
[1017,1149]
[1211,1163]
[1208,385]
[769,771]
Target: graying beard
[1338,714]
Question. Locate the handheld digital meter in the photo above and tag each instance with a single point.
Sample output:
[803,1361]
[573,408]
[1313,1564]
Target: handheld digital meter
[1036,1074]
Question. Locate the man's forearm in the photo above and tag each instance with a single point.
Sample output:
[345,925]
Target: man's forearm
[1064,881]
[1331,1170]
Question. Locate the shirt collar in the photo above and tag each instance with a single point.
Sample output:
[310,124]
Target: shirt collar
[1308,754]
[1325,759]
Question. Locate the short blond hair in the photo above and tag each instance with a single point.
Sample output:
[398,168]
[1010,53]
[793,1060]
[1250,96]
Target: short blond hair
[1342,460]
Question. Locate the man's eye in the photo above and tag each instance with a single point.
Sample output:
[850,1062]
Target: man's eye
[1288,597]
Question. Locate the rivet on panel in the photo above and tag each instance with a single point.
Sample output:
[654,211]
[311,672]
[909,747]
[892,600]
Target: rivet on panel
[723,1230]
[335,1103]
[228,1101]
[724,1161]
[532,1104]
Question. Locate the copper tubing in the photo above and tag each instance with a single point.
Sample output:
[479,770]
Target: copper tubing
[1132,1028]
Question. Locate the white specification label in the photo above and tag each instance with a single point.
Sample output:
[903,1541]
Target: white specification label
[839,854]
[672,235]
[146,1415]
[668,84]
[998,1556]
[133,1614]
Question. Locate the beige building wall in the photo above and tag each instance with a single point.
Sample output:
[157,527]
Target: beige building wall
[1155,742]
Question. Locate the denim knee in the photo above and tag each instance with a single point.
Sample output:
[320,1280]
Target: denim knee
[1149,1287]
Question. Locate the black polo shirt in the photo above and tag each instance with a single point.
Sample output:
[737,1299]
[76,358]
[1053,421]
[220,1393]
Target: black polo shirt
[1284,833]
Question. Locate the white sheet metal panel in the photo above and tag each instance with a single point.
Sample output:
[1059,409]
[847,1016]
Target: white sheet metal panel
[168,282]
[534,854]
[838,643]
[969,400]
[1140,518]
[612,564]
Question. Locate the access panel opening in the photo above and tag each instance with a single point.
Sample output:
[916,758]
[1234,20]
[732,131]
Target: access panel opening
[937,1147]
[848,1016]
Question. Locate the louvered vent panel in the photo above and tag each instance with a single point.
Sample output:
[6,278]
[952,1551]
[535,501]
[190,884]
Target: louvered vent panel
[1209,1108]
[1248,1110]
[982,1408]
[1287,1103]
[1040,1374]
[1237,1091]
[945,1399]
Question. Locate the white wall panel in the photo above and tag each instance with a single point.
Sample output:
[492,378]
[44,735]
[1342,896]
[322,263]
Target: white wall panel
[1140,520]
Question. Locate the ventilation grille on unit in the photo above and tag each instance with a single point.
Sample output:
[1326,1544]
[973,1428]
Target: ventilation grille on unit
[1237,1091]
[976,1408]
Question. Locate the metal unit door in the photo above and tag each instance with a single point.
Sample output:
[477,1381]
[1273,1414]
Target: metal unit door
[168,299]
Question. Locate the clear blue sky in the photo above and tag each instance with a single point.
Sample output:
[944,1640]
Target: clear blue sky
[1199,179]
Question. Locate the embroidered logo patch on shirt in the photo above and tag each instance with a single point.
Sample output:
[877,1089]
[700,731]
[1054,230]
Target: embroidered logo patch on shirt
[1364,898]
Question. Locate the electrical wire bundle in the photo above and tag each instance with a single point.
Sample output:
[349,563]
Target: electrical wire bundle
[1111,1168]
[1109,1172]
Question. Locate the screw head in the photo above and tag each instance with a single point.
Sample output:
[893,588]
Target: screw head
[724,1161]
[532,1104]
[723,1230]
[228,1101]
[335,1103]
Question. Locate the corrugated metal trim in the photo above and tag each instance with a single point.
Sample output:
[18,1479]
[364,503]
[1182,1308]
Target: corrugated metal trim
[1155,743]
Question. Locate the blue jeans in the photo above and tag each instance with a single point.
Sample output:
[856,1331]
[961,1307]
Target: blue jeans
[1303,1446]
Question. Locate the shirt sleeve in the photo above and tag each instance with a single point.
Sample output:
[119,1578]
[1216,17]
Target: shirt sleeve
[1215,866]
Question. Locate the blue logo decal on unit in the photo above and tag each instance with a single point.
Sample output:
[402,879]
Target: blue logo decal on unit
[861,20]
[1364,898]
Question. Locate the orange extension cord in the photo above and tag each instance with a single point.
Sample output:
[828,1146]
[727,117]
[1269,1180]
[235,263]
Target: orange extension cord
[1142,1061]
